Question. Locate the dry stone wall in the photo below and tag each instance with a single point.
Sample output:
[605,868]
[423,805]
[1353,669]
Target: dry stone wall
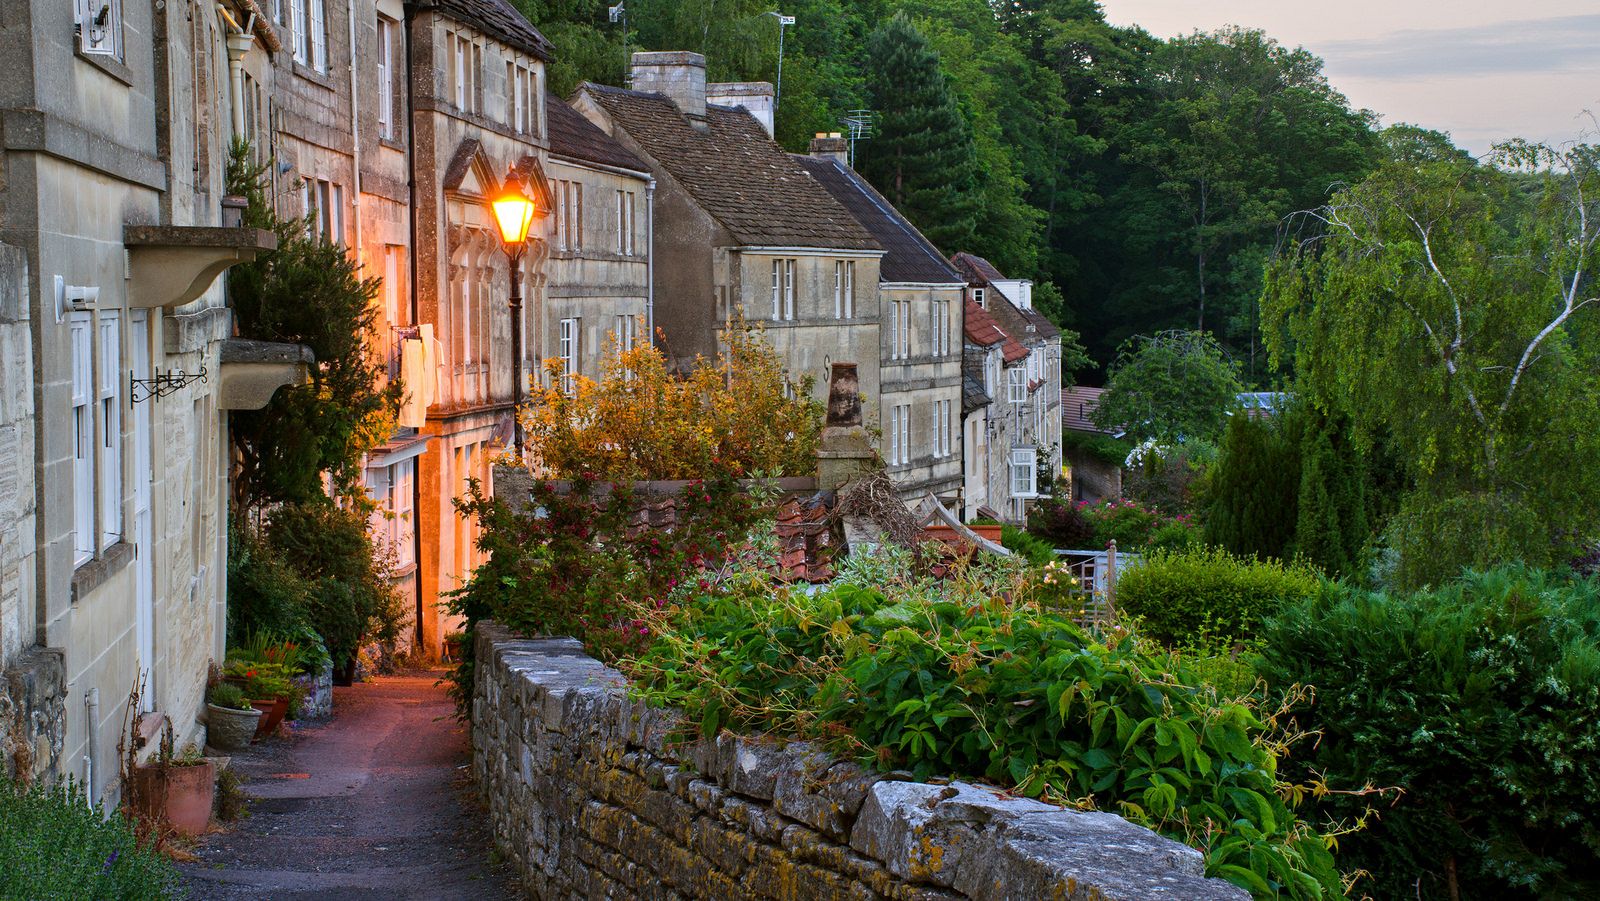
[596,795]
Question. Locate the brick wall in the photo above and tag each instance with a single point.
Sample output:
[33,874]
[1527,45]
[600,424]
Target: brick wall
[596,795]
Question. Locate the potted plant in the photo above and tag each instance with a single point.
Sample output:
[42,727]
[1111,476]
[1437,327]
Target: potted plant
[268,688]
[231,722]
[173,790]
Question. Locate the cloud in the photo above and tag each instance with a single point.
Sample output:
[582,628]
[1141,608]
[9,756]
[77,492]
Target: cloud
[1560,44]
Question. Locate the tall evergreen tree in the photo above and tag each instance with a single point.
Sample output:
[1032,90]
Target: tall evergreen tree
[1253,488]
[923,157]
[1331,527]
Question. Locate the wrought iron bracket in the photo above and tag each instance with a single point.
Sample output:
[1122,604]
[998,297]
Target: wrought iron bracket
[163,383]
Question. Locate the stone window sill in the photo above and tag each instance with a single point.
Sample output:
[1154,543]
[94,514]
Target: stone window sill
[320,79]
[107,64]
[96,572]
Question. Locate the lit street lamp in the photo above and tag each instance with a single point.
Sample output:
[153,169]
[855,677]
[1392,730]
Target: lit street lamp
[513,213]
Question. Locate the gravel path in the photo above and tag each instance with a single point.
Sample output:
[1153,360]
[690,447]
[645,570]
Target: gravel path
[374,804]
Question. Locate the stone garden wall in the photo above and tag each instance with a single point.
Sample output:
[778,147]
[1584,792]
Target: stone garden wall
[596,795]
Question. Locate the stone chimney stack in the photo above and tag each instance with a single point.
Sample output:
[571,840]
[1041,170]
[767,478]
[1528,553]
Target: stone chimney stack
[679,74]
[831,146]
[845,452]
[755,96]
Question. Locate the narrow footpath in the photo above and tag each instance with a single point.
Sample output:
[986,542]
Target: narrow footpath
[373,804]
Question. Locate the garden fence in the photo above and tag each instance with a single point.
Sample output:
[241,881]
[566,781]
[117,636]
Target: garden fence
[1096,572]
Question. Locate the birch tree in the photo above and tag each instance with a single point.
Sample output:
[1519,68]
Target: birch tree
[1451,307]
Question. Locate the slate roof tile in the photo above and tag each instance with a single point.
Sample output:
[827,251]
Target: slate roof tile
[497,19]
[735,172]
[574,137]
[909,256]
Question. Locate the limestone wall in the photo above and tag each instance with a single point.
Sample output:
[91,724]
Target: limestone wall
[596,795]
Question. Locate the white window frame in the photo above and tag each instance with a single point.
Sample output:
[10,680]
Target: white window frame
[575,213]
[81,328]
[1016,384]
[402,488]
[1024,472]
[459,89]
[110,446]
[319,34]
[979,297]
[104,39]
[386,70]
[905,434]
[777,290]
[561,214]
[297,31]
[788,289]
[571,350]
[850,289]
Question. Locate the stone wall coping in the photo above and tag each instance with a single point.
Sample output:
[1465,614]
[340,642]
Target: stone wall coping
[946,840]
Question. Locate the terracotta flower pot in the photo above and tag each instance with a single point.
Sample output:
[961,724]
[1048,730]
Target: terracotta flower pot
[178,796]
[229,729]
[272,712]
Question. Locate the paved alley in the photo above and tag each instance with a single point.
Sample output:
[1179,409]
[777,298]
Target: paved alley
[374,804]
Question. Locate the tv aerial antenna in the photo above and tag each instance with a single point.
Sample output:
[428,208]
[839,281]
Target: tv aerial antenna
[619,13]
[861,125]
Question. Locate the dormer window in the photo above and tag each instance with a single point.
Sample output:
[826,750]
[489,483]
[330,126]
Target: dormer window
[978,298]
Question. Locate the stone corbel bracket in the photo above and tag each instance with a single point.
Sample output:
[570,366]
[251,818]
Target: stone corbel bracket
[253,371]
[171,265]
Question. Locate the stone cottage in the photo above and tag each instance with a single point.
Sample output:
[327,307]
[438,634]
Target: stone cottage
[920,304]
[739,225]
[598,298]
[118,369]
[1021,424]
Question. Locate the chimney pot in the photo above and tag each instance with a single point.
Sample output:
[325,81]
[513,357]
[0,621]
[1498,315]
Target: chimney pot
[831,147]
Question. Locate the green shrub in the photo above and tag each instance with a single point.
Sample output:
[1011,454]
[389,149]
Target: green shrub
[1181,597]
[54,846]
[352,598]
[944,679]
[1027,546]
[1061,523]
[1478,700]
[229,695]
[1136,527]
[265,593]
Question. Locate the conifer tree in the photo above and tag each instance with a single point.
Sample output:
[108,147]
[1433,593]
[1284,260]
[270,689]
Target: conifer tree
[1254,488]
[922,157]
[1331,526]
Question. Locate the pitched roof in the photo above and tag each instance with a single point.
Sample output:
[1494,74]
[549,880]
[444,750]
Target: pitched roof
[973,396]
[1077,408]
[976,268]
[1026,324]
[981,329]
[574,137]
[735,172]
[1010,320]
[1042,326]
[909,256]
[497,19]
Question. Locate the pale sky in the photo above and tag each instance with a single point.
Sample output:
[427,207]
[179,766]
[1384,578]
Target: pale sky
[1478,69]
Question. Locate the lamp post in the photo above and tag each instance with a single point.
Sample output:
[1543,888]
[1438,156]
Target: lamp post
[513,213]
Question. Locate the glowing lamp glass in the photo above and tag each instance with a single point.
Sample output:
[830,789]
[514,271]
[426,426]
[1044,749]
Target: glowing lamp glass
[513,213]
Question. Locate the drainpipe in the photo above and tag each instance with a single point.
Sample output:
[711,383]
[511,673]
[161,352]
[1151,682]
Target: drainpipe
[355,134]
[91,700]
[650,260]
[240,40]
[416,313]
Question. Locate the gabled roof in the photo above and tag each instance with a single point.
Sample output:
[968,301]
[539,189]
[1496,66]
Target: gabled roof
[734,172]
[1023,324]
[981,329]
[977,269]
[574,137]
[497,19]
[909,257]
